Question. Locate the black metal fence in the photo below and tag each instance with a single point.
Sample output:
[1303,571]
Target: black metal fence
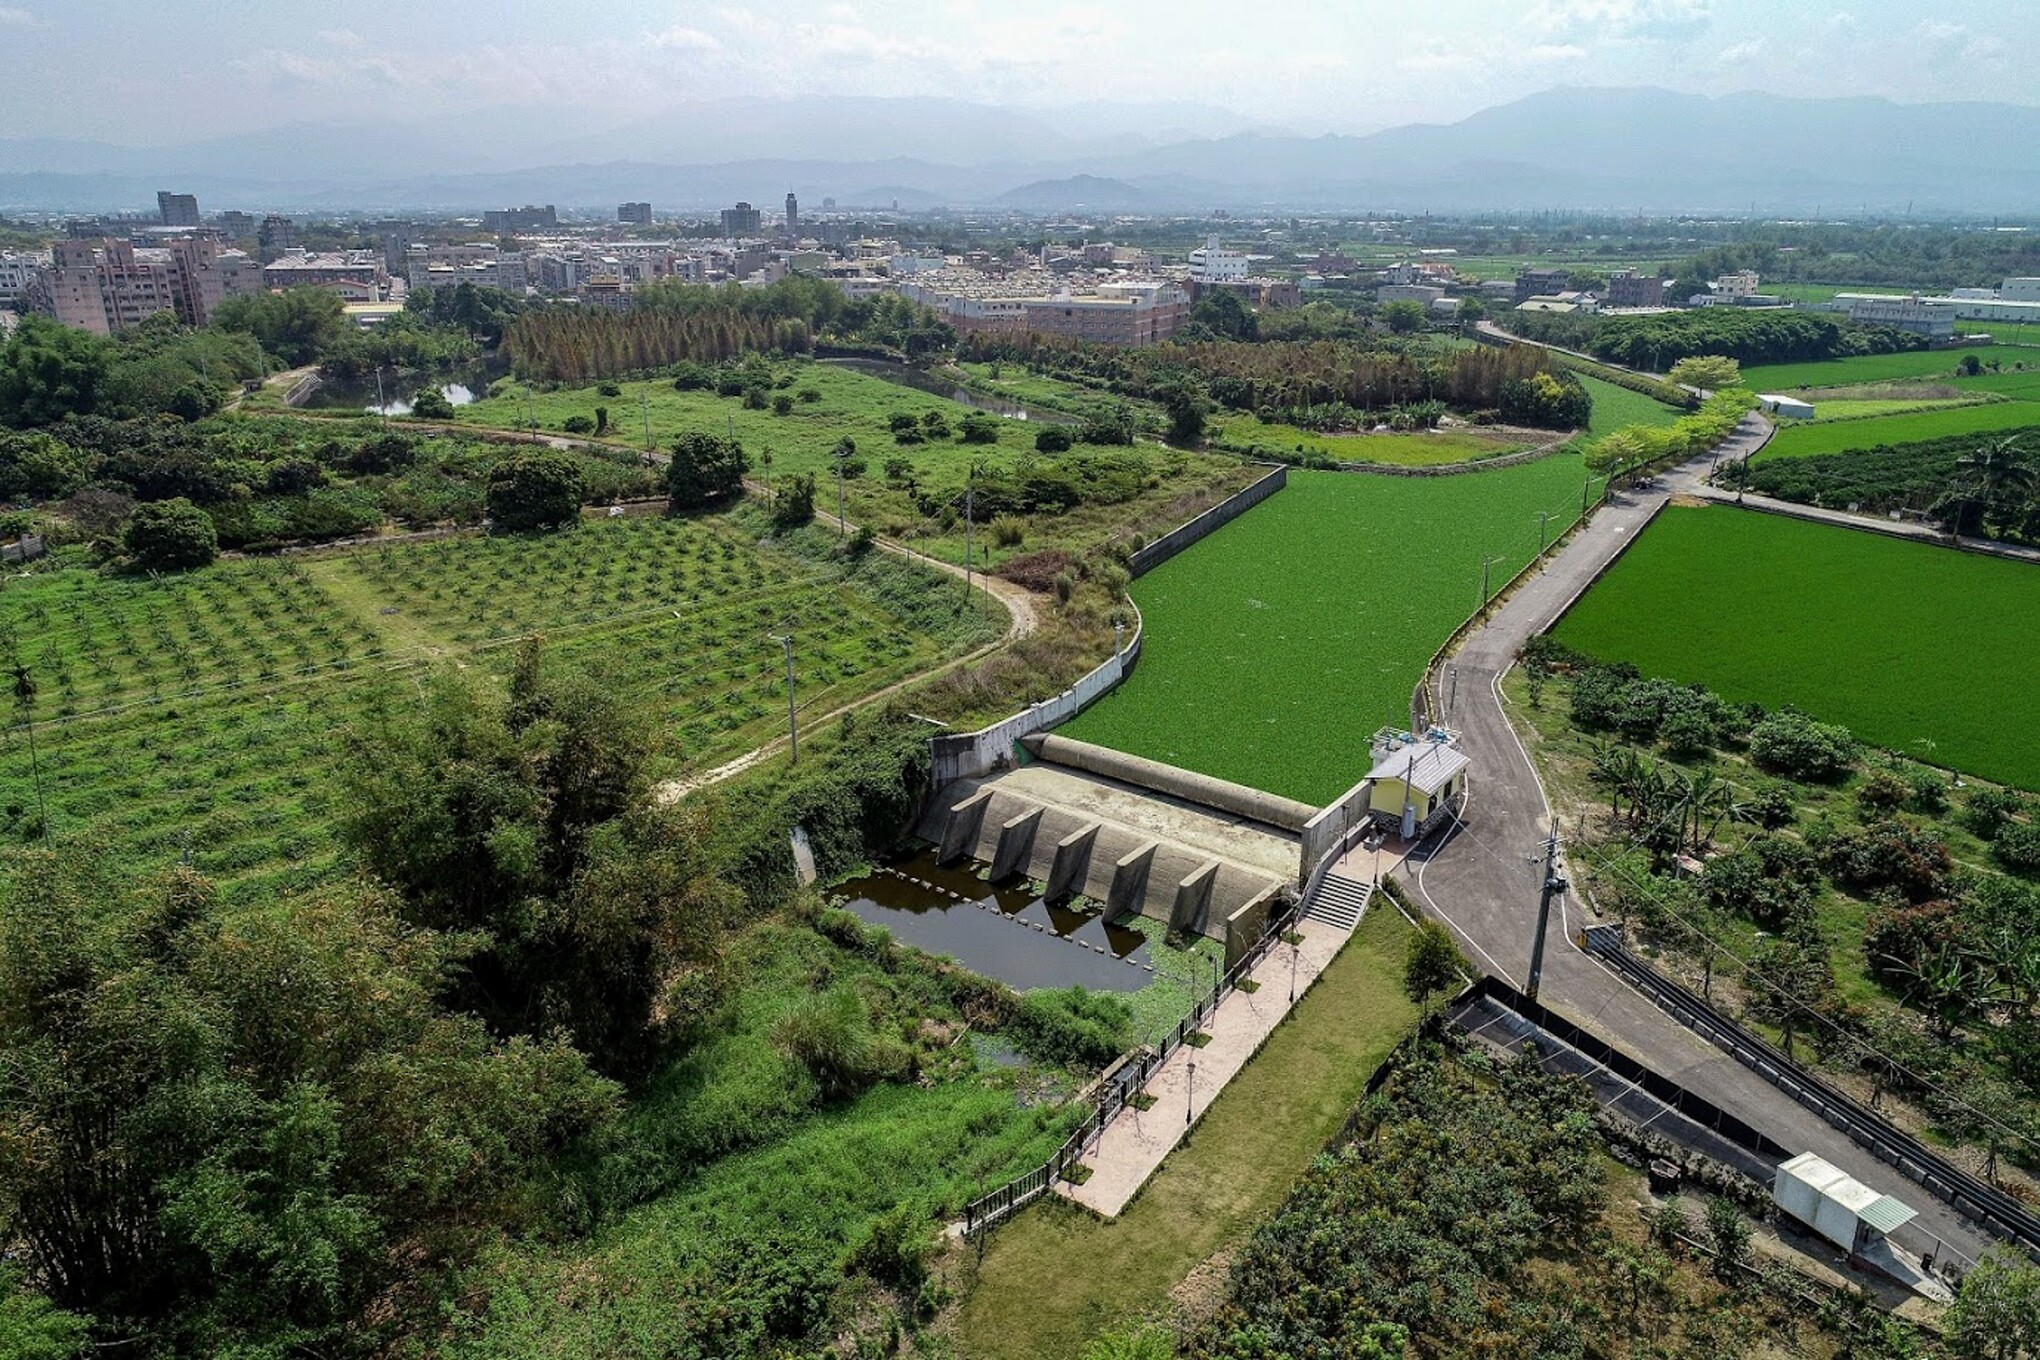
[1120,1084]
[1985,1204]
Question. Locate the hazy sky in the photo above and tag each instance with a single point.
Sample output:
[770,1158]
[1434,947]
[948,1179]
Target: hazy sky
[148,71]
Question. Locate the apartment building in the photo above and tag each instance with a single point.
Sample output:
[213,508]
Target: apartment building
[741,221]
[276,233]
[1931,317]
[1213,263]
[1532,283]
[530,217]
[479,263]
[636,214]
[177,210]
[1130,312]
[108,285]
[362,269]
[18,272]
[1627,288]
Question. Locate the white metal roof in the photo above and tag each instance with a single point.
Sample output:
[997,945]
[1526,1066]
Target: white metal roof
[1428,766]
[1880,1211]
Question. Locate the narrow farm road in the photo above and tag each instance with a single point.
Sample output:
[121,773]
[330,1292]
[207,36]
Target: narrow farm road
[1482,877]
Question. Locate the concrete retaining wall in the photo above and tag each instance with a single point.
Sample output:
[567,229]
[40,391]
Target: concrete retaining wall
[1326,832]
[1225,512]
[967,755]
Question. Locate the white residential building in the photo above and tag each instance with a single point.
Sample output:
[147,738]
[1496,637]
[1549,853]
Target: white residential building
[1213,263]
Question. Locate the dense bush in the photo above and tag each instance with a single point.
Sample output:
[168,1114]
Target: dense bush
[1772,880]
[1072,1027]
[793,503]
[170,535]
[1053,439]
[1889,853]
[36,467]
[830,1035]
[1991,809]
[706,470]
[540,489]
[1796,746]
[2017,847]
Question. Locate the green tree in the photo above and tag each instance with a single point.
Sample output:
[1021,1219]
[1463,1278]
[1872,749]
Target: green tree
[1432,963]
[1186,405]
[1983,477]
[541,489]
[170,535]
[49,371]
[38,467]
[705,471]
[1226,317]
[534,820]
[1708,372]
[1728,1232]
[33,1328]
[297,325]
[1996,1315]
[429,403]
[794,505]
[232,1127]
[1404,318]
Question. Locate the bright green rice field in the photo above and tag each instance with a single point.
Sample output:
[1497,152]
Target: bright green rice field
[1278,645]
[1904,643]
[1804,440]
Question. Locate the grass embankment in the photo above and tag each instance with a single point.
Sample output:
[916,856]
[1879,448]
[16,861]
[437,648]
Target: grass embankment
[1123,489]
[768,1185]
[1618,408]
[1279,644]
[1864,408]
[203,709]
[1904,643]
[1057,1276]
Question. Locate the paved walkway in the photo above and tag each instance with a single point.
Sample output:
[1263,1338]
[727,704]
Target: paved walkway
[1134,1144]
[1481,877]
[1875,524]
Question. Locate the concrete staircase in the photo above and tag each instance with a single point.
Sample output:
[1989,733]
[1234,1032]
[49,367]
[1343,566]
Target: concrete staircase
[1339,902]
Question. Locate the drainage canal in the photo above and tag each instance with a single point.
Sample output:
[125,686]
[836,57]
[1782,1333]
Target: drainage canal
[1009,934]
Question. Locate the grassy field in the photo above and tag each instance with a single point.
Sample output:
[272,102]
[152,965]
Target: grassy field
[1816,437]
[1056,1277]
[1863,408]
[1618,408]
[1420,448]
[1279,644]
[201,710]
[857,405]
[1904,643]
[1872,368]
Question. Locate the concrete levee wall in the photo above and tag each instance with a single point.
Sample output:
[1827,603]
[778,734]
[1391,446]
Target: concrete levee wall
[1225,512]
[1327,831]
[967,755]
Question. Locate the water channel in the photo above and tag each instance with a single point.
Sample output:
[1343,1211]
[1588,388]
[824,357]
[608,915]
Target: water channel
[460,386]
[906,375]
[1007,933]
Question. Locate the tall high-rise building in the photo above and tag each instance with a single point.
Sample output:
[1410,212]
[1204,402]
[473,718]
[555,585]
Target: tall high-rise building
[637,214]
[276,234]
[177,210]
[107,285]
[792,217]
[742,220]
[530,217]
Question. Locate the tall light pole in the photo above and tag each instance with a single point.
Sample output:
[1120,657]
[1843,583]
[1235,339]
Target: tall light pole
[969,505]
[792,718]
[1485,563]
[844,448]
[1190,1102]
[24,698]
[382,408]
[645,406]
[1543,523]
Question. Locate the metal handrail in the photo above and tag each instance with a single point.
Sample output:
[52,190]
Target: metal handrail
[1123,1078]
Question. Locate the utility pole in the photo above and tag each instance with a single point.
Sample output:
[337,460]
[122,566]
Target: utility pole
[792,718]
[1554,886]
[24,698]
[1452,698]
[1190,1101]
[842,523]
[382,408]
[969,504]
[1586,488]
[645,406]
[1485,563]
[1543,522]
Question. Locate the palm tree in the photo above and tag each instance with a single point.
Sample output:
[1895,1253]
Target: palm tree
[1995,467]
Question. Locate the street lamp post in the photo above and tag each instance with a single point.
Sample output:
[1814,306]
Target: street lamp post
[1294,941]
[1190,1102]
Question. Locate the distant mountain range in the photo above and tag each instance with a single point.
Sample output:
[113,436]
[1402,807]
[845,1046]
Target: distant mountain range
[1621,149]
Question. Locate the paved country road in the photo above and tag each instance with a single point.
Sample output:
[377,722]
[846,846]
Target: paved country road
[1482,878]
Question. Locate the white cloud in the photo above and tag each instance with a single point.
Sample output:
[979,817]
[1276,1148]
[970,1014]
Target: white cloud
[681,37]
[1556,52]
[1739,52]
[1656,19]
[341,37]
[13,16]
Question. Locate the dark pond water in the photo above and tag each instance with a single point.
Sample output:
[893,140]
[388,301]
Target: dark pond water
[460,387]
[906,375]
[1004,933]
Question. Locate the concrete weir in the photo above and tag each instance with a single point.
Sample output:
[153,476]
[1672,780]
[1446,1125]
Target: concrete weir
[1197,854]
